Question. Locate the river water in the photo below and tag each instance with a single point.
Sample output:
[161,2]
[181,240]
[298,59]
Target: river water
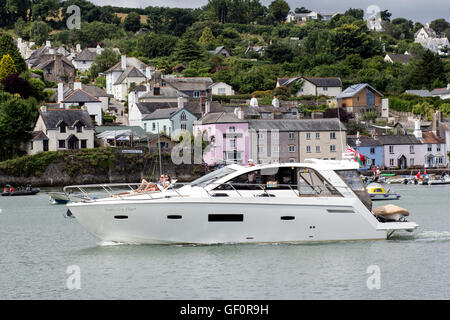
[38,245]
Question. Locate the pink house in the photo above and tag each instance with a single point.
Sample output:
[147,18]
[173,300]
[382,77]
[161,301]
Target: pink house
[228,136]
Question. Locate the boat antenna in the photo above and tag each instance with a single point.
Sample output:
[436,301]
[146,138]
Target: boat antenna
[159,153]
[340,130]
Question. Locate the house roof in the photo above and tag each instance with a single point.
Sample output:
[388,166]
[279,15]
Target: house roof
[218,49]
[52,117]
[165,113]
[130,72]
[428,30]
[131,62]
[402,58]
[440,91]
[286,81]
[165,92]
[88,54]
[49,60]
[93,90]
[354,89]
[136,130]
[325,81]
[398,139]
[38,135]
[421,93]
[190,84]
[364,141]
[80,95]
[219,117]
[298,125]
[147,108]
[430,137]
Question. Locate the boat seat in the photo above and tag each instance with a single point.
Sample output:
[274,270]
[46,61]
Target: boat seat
[220,195]
[390,209]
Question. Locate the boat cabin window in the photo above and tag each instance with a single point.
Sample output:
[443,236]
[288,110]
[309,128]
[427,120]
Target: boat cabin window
[305,180]
[353,180]
[211,177]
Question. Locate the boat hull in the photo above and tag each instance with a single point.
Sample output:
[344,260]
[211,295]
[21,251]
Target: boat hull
[387,196]
[198,221]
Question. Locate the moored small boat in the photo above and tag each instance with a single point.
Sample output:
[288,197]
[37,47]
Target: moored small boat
[58,197]
[377,192]
[12,192]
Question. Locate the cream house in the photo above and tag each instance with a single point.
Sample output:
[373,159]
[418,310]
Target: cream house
[221,89]
[61,129]
[315,86]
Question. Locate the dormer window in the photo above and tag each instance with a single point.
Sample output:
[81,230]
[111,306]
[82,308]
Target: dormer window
[183,116]
[62,127]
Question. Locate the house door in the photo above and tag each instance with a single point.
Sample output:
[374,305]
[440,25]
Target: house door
[73,143]
[430,161]
[402,162]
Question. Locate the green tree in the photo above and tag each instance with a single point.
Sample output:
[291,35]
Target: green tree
[7,67]
[154,45]
[103,62]
[440,25]
[17,117]
[355,13]
[279,9]
[207,38]
[41,9]
[279,53]
[39,32]
[7,46]
[187,48]
[424,109]
[132,22]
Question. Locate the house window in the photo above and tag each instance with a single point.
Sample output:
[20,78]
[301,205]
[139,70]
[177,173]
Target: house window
[260,149]
[221,91]
[165,128]
[308,149]
[332,135]
[291,160]
[233,143]
[291,148]
[83,144]
[317,135]
[430,147]
[31,145]
[183,116]
[372,150]
[440,160]
[61,144]
[79,128]
[332,148]
[325,88]
[45,145]
[260,135]
[145,126]
[62,128]
[291,135]
[197,94]
[317,149]
[438,147]
[232,129]
[411,149]
[391,149]
[308,136]
[411,161]
[153,126]
[276,148]
[183,126]
[391,162]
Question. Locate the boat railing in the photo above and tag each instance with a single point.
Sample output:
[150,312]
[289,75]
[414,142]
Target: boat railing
[87,193]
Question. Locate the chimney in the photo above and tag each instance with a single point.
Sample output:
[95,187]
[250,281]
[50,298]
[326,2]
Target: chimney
[148,73]
[156,91]
[437,117]
[180,102]
[78,48]
[60,92]
[124,62]
[19,43]
[51,51]
[241,114]
[43,109]
[448,86]
[48,44]
[417,131]
[275,102]
[98,49]
[77,85]
[207,106]
[147,87]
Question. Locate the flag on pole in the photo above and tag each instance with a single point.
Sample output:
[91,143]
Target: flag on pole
[358,157]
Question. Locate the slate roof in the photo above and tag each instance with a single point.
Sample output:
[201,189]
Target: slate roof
[190,84]
[131,62]
[421,93]
[54,116]
[324,81]
[50,61]
[398,139]
[93,90]
[148,107]
[165,113]
[219,117]
[38,135]
[135,129]
[440,91]
[354,89]
[88,54]
[218,49]
[286,81]
[298,125]
[364,141]
[132,72]
[402,58]
[80,95]
[165,92]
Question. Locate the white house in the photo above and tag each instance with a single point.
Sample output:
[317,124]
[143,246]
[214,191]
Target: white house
[301,17]
[61,129]
[429,39]
[443,93]
[316,86]
[122,75]
[80,98]
[169,120]
[221,89]
[86,58]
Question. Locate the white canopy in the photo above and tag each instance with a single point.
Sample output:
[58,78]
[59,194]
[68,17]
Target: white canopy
[119,134]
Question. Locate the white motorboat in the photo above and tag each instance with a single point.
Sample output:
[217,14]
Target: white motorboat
[319,200]
[438,179]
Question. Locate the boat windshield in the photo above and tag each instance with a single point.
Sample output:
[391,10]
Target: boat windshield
[211,177]
[353,180]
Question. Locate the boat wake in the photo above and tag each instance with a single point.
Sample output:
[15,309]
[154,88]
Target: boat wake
[425,236]
[111,243]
